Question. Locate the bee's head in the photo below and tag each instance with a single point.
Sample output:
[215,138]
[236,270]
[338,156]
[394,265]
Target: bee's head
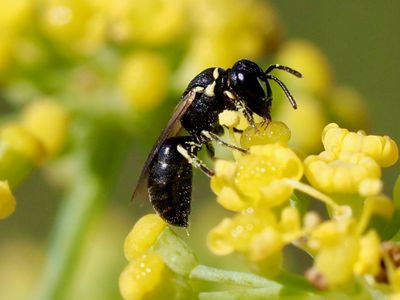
[245,80]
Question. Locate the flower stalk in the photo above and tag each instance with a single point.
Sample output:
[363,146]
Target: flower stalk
[80,206]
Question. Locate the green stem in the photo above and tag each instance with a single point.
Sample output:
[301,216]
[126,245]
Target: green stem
[231,277]
[77,210]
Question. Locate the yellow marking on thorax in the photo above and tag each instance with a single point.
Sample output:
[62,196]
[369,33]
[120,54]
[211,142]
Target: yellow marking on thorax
[209,91]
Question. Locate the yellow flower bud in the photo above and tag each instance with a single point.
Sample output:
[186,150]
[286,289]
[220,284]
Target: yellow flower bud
[379,205]
[341,174]
[225,171]
[311,220]
[151,22]
[229,199]
[369,256]
[381,148]
[143,235]
[395,280]
[330,233]
[265,244]
[24,142]
[306,122]
[237,234]
[216,238]
[336,263]
[348,106]
[73,24]
[370,187]
[307,58]
[266,133]
[250,27]
[144,276]
[7,200]
[144,80]
[48,121]
[290,221]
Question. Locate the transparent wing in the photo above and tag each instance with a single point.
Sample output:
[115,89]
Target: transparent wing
[172,129]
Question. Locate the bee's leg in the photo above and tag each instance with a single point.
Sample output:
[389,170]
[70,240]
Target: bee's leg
[241,107]
[214,137]
[189,152]
[210,149]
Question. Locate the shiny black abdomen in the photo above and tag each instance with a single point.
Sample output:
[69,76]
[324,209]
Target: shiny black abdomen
[170,182]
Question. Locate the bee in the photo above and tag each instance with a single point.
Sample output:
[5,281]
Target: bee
[168,168]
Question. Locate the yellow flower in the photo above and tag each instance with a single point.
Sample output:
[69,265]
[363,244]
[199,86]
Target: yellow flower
[394,278]
[72,24]
[351,161]
[7,200]
[305,123]
[347,105]
[48,121]
[21,140]
[330,233]
[256,178]
[369,257]
[250,28]
[336,263]
[146,277]
[266,244]
[143,80]
[151,22]
[340,173]
[265,133]
[306,57]
[337,247]
[370,187]
[341,251]
[143,235]
[255,233]
[381,148]
[237,233]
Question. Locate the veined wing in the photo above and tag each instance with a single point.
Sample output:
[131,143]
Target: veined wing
[172,129]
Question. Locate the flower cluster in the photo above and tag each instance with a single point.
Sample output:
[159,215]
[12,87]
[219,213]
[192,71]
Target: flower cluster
[98,67]
[261,186]
[159,262]
[322,99]
[351,162]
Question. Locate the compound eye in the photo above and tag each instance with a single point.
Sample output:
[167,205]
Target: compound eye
[240,76]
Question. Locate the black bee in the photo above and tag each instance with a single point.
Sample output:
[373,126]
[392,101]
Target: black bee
[168,168]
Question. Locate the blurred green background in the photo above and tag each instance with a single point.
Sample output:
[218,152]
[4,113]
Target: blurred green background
[361,41]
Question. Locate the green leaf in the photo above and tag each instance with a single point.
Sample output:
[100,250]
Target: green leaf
[244,279]
[253,294]
[175,253]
